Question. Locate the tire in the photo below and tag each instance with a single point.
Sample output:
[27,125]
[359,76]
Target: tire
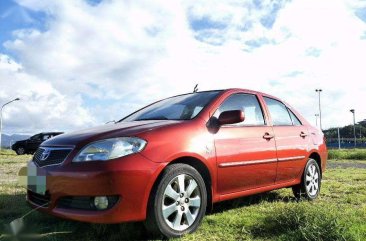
[184,210]
[20,150]
[309,188]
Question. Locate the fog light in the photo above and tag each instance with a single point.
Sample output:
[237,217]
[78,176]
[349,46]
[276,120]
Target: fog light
[101,202]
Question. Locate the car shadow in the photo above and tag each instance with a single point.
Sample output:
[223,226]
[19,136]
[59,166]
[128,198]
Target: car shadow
[250,200]
[40,226]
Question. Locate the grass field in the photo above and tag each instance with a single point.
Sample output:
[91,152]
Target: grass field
[338,214]
[349,154]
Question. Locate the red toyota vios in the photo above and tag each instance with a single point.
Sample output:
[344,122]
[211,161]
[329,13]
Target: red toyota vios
[169,162]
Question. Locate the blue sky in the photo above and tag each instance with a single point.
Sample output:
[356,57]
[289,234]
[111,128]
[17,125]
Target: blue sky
[82,63]
[14,17]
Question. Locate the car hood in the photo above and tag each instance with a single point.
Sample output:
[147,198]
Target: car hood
[80,138]
[20,142]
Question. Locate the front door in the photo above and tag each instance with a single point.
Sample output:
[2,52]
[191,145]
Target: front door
[246,152]
[34,142]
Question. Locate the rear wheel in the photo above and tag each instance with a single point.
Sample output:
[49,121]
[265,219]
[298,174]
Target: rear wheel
[309,187]
[20,150]
[177,203]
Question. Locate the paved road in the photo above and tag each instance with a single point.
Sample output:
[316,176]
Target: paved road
[350,164]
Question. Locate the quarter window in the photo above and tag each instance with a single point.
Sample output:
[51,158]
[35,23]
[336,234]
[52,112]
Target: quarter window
[295,120]
[279,113]
[248,104]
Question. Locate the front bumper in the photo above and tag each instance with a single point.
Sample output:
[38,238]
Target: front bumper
[130,178]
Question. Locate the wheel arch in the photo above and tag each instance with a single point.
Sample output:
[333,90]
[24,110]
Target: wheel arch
[201,167]
[317,158]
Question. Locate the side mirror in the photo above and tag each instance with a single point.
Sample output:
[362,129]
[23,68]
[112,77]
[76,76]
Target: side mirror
[231,117]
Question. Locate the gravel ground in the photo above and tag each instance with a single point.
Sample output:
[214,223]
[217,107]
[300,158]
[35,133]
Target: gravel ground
[335,164]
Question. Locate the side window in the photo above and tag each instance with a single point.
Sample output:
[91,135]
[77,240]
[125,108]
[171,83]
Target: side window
[295,120]
[248,104]
[279,113]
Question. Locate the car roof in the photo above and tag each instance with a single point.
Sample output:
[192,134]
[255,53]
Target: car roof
[47,133]
[225,91]
[240,90]
[255,92]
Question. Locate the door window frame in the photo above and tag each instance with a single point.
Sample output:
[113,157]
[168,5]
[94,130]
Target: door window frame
[265,120]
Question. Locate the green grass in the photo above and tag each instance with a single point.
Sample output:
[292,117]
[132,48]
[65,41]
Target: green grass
[338,214]
[347,154]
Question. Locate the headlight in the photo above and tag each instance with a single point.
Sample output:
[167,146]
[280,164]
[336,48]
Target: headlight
[110,149]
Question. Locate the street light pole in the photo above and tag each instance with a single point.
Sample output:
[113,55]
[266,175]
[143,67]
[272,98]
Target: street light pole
[320,110]
[316,119]
[354,124]
[1,118]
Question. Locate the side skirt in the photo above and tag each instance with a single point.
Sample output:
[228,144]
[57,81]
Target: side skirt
[249,192]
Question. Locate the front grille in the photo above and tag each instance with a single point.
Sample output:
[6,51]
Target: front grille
[39,199]
[83,202]
[46,156]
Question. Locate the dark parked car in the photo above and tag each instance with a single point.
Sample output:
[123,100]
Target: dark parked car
[30,145]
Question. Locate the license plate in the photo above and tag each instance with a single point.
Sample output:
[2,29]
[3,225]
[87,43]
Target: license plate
[36,179]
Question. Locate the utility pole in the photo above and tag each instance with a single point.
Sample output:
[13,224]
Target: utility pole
[360,131]
[1,118]
[354,125]
[316,119]
[320,109]
[339,139]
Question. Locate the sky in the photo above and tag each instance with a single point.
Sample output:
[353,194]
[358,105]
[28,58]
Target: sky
[81,63]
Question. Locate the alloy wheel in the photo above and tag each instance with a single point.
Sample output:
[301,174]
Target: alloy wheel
[181,202]
[20,151]
[312,180]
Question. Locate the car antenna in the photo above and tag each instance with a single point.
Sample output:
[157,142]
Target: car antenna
[195,89]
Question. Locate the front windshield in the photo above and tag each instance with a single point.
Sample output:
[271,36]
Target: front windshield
[35,137]
[183,107]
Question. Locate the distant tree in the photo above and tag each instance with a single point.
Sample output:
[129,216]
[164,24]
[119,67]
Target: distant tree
[347,131]
[362,123]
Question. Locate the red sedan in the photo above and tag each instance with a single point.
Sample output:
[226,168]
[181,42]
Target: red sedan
[169,162]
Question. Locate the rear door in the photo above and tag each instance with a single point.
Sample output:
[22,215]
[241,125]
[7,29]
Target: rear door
[292,140]
[246,152]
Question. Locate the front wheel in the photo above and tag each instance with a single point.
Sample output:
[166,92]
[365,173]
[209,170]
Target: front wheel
[20,150]
[309,187]
[177,203]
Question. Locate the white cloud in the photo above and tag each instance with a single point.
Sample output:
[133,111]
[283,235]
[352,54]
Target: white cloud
[97,63]
[41,107]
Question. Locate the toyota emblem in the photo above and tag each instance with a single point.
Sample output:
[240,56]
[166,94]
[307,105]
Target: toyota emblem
[45,154]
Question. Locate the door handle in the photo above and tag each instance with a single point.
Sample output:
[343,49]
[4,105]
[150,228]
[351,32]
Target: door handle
[267,136]
[303,134]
